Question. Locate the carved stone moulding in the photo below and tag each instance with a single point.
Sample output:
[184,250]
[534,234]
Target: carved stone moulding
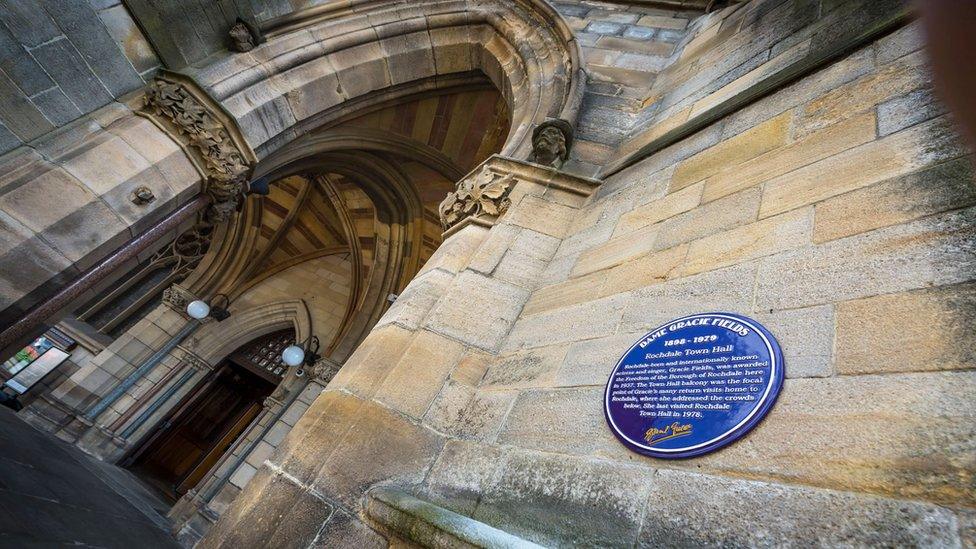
[207,133]
[482,196]
[177,297]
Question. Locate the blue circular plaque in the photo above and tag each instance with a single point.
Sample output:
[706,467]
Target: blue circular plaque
[694,385]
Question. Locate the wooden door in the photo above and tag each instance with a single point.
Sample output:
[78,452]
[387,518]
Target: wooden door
[193,441]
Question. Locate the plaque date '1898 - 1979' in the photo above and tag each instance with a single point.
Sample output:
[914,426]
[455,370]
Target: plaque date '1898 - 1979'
[694,385]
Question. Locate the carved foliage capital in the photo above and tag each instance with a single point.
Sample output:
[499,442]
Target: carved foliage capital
[226,165]
[483,194]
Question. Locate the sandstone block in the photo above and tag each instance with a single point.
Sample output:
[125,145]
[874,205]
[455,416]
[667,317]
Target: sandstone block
[462,473]
[830,77]
[590,362]
[541,215]
[751,78]
[736,150]
[595,318]
[493,248]
[537,421]
[729,289]
[416,300]
[760,239]
[861,166]
[659,210]
[418,376]
[933,190]
[477,310]
[910,109]
[483,416]
[104,162]
[530,368]
[555,500]
[363,456]
[816,146]
[43,196]
[662,22]
[934,250]
[717,216]
[773,513]
[343,530]
[369,365]
[806,337]
[871,337]
[617,250]
[892,80]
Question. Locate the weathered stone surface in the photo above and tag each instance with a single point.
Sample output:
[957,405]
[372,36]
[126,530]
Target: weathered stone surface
[362,457]
[531,368]
[483,416]
[940,188]
[622,248]
[456,252]
[538,420]
[556,500]
[729,289]
[590,362]
[343,530]
[806,337]
[415,301]
[871,334]
[889,81]
[934,250]
[366,369]
[595,318]
[462,473]
[477,310]
[910,109]
[760,239]
[687,509]
[816,146]
[541,215]
[830,77]
[736,150]
[659,210]
[719,215]
[907,436]
[891,156]
[418,375]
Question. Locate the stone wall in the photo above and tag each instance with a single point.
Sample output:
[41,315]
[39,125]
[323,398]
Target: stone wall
[62,59]
[624,47]
[836,210]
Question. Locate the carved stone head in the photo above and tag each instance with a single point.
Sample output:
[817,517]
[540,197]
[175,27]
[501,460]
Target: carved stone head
[242,39]
[551,141]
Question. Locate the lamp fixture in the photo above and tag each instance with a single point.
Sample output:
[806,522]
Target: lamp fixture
[216,309]
[302,354]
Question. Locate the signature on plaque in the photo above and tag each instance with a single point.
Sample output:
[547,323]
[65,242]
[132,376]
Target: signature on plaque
[655,435]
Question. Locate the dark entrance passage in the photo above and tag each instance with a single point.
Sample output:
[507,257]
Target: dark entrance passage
[201,429]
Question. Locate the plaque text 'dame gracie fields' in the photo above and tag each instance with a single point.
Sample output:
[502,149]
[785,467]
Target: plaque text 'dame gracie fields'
[694,385]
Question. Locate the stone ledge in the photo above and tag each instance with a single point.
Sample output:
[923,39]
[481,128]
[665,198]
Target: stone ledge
[429,525]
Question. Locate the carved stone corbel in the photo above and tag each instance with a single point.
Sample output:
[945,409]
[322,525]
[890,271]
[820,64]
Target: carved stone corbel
[483,195]
[210,136]
[177,298]
[324,370]
[480,196]
[551,142]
